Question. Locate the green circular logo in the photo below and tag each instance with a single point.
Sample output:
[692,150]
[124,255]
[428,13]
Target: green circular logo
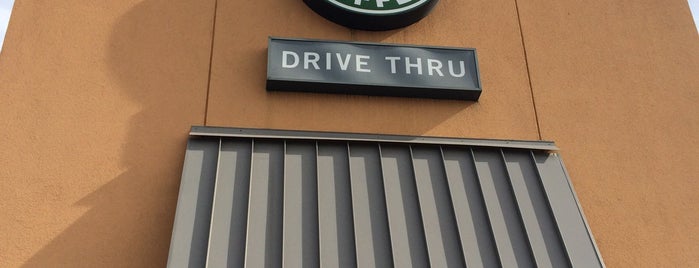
[374,15]
[378,6]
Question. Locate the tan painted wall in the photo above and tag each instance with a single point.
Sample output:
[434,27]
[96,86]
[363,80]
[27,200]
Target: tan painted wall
[238,75]
[616,85]
[97,99]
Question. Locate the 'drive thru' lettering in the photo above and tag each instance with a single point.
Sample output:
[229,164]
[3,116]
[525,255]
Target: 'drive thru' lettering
[310,60]
[360,63]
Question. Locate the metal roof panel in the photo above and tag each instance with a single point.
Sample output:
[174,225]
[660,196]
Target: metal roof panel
[252,198]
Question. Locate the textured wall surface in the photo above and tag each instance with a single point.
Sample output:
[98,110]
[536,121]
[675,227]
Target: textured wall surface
[616,85]
[96,100]
[239,62]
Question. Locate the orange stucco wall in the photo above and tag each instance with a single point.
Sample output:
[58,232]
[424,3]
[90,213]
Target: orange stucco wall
[96,100]
[616,85]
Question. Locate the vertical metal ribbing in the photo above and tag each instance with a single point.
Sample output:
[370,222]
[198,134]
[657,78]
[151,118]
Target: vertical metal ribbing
[213,202]
[285,213]
[319,202]
[295,203]
[354,207]
[460,236]
[229,211]
[371,222]
[247,229]
[335,216]
[275,211]
[351,204]
[470,211]
[193,215]
[582,212]
[386,202]
[206,192]
[266,200]
[420,205]
[519,194]
[505,250]
[407,233]
[569,219]
[441,231]
[353,217]
[540,179]
[383,192]
[542,231]
[505,219]
[254,246]
[300,243]
[246,204]
[487,212]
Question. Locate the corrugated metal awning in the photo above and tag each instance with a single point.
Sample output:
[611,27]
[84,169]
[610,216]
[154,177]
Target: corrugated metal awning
[264,198]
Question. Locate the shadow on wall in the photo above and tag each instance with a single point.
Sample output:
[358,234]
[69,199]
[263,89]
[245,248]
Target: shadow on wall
[159,58]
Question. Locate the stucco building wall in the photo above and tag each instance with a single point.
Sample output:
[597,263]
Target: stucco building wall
[97,99]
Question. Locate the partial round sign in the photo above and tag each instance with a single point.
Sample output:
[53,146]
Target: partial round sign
[373,15]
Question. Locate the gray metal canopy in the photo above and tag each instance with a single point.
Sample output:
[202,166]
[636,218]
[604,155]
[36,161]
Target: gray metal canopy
[270,198]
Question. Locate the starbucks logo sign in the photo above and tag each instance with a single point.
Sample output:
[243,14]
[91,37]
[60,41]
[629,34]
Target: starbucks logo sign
[373,15]
[377,6]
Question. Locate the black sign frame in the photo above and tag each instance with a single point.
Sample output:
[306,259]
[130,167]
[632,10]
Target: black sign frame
[370,22]
[301,83]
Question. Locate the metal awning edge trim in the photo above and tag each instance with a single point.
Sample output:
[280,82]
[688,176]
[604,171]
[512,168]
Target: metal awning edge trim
[582,214]
[232,132]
